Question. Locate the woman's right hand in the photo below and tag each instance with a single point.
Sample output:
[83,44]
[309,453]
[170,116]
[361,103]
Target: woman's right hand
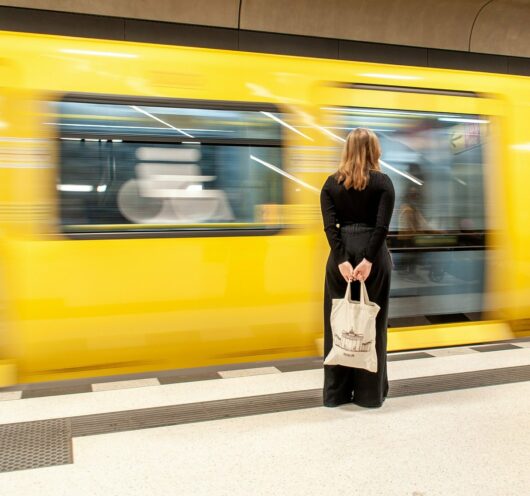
[346,269]
[362,271]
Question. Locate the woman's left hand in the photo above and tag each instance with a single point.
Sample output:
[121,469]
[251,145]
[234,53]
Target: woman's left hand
[362,271]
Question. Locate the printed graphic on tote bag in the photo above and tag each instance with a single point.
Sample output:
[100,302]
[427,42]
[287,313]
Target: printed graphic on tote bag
[351,341]
[353,328]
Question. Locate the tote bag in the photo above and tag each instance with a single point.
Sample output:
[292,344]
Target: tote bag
[353,329]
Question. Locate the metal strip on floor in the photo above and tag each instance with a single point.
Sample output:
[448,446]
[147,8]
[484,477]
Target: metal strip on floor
[104,423]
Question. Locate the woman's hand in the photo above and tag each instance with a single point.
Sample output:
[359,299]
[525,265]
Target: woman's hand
[346,269]
[362,271]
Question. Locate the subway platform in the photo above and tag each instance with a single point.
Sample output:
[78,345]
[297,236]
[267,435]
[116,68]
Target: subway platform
[456,423]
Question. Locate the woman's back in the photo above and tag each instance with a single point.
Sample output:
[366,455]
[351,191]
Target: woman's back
[358,207]
[372,206]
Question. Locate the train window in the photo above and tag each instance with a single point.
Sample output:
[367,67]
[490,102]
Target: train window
[437,238]
[146,168]
[435,161]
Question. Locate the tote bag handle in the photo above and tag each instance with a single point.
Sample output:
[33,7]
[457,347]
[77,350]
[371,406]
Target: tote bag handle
[364,300]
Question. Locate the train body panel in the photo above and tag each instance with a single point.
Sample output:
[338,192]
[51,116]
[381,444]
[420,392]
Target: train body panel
[117,259]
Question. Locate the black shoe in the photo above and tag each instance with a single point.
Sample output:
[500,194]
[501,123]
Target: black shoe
[330,404]
[365,405]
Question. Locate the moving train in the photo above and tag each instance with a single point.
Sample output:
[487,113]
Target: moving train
[159,205]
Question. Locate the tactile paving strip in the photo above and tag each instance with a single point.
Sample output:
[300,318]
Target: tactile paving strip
[42,443]
[87,425]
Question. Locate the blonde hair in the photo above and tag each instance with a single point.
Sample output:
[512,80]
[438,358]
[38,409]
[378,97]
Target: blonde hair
[360,154]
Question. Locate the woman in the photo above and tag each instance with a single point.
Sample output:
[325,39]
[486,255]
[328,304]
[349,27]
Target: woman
[357,203]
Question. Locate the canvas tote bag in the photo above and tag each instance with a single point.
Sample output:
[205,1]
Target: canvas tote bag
[353,329]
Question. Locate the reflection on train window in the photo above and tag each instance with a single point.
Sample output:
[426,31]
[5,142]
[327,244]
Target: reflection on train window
[144,168]
[435,161]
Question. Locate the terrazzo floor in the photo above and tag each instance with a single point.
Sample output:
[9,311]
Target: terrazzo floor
[466,442]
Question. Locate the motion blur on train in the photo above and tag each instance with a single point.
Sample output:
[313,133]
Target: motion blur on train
[159,206]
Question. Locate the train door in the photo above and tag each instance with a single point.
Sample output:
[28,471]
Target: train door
[441,150]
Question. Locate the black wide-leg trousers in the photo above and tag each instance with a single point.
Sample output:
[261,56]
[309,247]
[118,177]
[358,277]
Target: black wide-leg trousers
[346,384]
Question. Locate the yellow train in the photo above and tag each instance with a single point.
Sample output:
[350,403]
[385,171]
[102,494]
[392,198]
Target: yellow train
[159,205]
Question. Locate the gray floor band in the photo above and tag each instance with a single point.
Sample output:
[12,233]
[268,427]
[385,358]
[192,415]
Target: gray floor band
[87,425]
[49,442]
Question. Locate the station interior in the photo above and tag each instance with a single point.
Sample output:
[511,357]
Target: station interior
[264,247]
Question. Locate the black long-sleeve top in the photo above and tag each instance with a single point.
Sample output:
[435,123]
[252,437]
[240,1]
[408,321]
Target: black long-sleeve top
[373,206]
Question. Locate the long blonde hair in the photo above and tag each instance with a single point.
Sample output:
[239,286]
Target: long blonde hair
[360,154]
